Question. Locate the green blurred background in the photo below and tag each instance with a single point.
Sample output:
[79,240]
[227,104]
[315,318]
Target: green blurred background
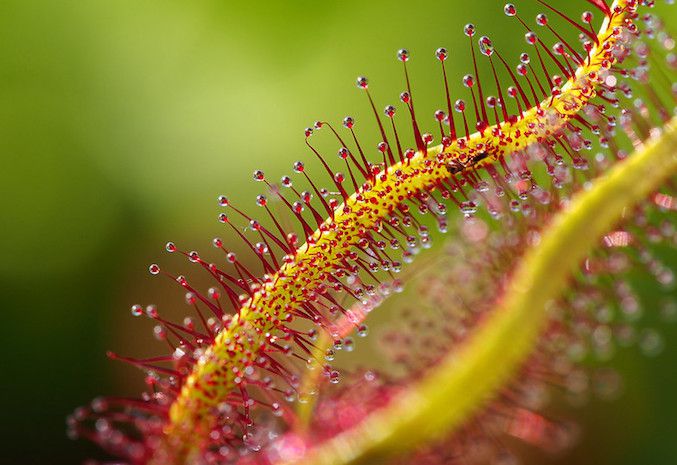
[120,123]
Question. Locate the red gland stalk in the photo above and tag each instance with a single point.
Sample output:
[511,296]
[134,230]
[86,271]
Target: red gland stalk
[245,354]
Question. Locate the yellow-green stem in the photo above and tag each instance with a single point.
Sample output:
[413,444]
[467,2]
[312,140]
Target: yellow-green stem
[466,379]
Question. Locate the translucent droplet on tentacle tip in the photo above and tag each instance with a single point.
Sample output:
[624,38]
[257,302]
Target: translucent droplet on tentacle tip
[261,200]
[486,46]
[403,54]
[297,207]
[285,181]
[362,330]
[531,37]
[509,9]
[469,29]
[151,311]
[252,441]
[468,208]
[137,310]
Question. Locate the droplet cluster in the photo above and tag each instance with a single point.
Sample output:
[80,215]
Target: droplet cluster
[225,390]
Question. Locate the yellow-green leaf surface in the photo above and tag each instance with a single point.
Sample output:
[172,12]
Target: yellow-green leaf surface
[464,381]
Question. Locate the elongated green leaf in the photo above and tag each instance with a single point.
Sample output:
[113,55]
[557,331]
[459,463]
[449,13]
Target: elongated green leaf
[464,381]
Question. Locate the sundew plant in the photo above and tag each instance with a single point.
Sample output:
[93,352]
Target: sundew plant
[554,175]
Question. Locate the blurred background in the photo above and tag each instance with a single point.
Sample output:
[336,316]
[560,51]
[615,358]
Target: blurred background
[122,121]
